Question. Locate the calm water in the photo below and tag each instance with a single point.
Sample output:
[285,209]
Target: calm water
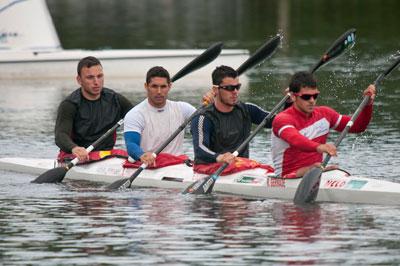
[68,225]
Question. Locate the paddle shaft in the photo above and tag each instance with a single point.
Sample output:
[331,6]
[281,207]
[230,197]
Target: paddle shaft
[358,110]
[57,174]
[166,142]
[252,135]
[267,118]
[96,143]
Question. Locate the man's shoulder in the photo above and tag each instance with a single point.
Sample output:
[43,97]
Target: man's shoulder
[136,115]
[108,90]
[182,106]
[252,107]
[110,94]
[324,110]
[140,107]
[177,103]
[74,97]
[248,104]
[286,116]
[289,112]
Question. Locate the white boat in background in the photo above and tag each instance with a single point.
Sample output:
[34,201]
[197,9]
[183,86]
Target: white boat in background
[30,48]
[336,185]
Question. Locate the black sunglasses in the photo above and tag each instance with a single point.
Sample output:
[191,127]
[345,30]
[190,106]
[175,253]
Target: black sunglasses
[307,97]
[230,87]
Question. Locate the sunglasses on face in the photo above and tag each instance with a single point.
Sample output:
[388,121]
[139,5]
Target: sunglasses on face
[230,87]
[307,97]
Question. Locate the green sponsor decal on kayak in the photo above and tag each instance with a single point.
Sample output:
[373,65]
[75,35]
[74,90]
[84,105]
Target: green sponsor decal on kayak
[356,184]
[246,179]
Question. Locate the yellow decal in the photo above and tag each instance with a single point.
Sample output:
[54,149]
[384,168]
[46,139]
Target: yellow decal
[103,154]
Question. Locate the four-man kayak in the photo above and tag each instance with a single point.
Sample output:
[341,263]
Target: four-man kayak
[336,185]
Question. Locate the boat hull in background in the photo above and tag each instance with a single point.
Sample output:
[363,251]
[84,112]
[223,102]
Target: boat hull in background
[30,49]
[126,64]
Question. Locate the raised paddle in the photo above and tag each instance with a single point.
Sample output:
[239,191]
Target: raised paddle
[205,185]
[261,54]
[57,174]
[203,59]
[307,191]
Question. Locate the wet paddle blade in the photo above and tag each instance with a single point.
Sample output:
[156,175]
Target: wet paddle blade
[262,54]
[119,184]
[55,175]
[205,58]
[345,42]
[126,182]
[201,186]
[307,191]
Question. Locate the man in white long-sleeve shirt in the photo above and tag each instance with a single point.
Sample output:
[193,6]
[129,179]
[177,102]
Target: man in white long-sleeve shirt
[152,121]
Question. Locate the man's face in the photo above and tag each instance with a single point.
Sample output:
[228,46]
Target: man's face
[228,91]
[306,99]
[91,81]
[157,91]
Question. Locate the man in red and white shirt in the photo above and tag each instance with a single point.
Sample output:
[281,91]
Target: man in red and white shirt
[300,132]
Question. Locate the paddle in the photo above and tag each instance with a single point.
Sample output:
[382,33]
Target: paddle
[203,59]
[205,185]
[307,191]
[261,54]
[56,175]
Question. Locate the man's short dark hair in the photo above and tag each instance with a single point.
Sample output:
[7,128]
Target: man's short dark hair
[88,61]
[157,71]
[302,79]
[222,72]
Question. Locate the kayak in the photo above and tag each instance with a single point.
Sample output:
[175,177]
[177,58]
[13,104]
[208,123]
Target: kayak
[336,185]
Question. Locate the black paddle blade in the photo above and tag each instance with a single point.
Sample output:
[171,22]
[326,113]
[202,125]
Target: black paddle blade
[119,184]
[307,191]
[344,42]
[264,52]
[206,57]
[55,175]
[201,186]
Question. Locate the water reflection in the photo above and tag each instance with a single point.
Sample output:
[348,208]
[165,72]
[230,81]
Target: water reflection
[299,223]
[136,227]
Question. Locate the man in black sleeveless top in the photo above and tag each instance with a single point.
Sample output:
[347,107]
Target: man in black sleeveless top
[88,112]
[225,124]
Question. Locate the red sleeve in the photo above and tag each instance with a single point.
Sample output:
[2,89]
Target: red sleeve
[284,128]
[280,121]
[361,123]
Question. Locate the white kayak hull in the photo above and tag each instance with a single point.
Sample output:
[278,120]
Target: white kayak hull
[336,185]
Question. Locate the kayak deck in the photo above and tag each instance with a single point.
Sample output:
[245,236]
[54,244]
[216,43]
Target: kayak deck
[336,185]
